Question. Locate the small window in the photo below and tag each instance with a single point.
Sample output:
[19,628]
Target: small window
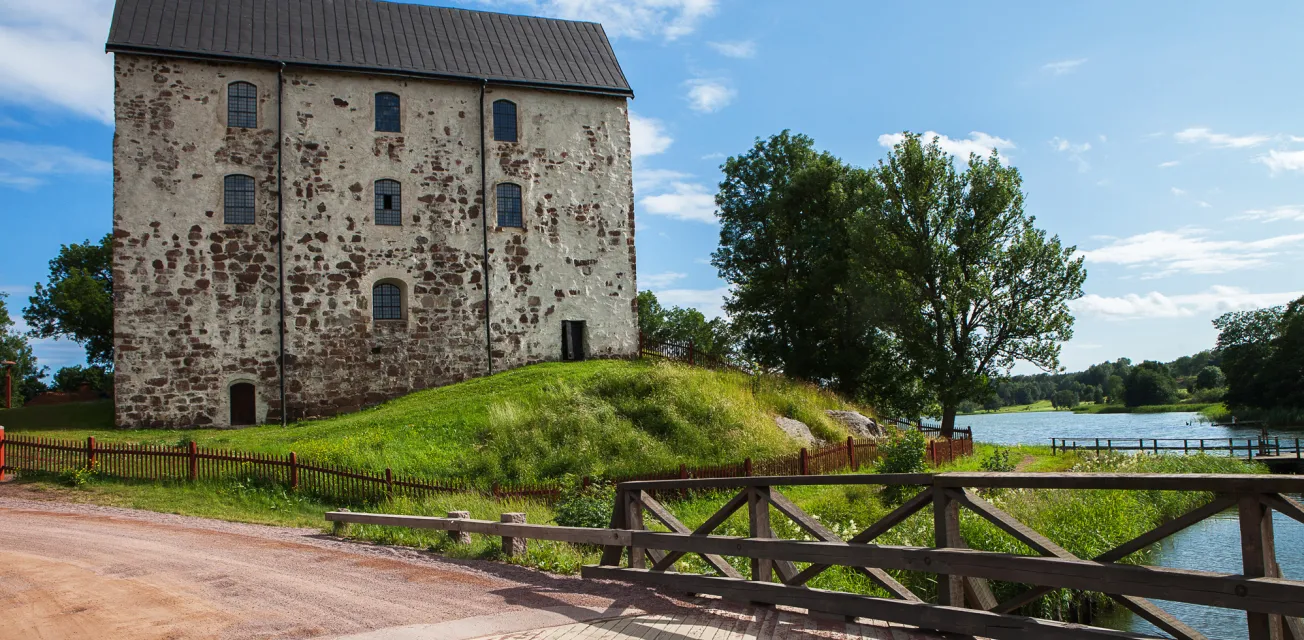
[505,121]
[386,301]
[509,206]
[241,105]
[387,112]
[389,209]
[238,200]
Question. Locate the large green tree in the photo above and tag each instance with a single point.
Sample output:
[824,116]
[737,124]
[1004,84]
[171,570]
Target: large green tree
[786,245]
[1263,356]
[681,325]
[77,303]
[1150,383]
[963,279]
[15,348]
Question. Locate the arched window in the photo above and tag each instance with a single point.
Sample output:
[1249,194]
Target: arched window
[389,209]
[509,205]
[387,112]
[504,121]
[238,200]
[386,301]
[242,105]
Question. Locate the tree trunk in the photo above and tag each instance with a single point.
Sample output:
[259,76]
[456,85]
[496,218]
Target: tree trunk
[948,421]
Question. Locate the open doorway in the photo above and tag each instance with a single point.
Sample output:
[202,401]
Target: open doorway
[244,407]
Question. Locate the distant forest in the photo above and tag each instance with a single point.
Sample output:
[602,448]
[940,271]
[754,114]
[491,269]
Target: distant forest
[1195,378]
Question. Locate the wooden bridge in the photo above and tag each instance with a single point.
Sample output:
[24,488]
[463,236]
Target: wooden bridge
[965,603]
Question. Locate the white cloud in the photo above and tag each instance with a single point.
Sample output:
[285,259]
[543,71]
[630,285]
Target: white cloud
[1169,164]
[1062,67]
[52,53]
[1178,192]
[735,49]
[1221,140]
[1164,253]
[660,280]
[24,165]
[1279,161]
[647,136]
[651,179]
[977,142]
[685,201]
[1275,214]
[709,96]
[669,19]
[1216,301]
[709,301]
[1074,152]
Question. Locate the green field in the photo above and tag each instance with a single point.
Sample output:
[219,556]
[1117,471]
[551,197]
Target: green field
[1040,405]
[602,417]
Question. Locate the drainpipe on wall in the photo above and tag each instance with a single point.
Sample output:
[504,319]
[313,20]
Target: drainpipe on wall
[280,237]
[484,228]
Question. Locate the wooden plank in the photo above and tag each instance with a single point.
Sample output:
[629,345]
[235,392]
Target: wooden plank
[783,481]
[1007,523]
[926,616]
[1258,558]
[1285,505]
[1164,621]
[758,523]
[1266,595]
[946,533]
[581,535]
[610,553]
[716,519]
[634,522]
[659,512]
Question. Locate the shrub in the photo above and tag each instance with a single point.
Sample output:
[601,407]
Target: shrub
[998,461]
[902,454]
[582,506]
[80,476]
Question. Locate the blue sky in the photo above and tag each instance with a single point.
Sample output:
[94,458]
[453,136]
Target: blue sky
[1164,139]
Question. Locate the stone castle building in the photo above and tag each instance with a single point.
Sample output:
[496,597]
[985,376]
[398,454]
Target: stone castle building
[323,204]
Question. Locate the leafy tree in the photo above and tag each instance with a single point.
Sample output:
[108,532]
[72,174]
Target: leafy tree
[964,281]
[72,378]
[77,304]
[1245,339]
[1116,389]
[15,348]
[1210,377]
[797,302]
[1064,399]
[1150,383]
[679,325]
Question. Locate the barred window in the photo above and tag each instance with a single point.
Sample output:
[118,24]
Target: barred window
[505,121]
[509,205]
[241,105]
[387,112]
[386,301]
[238,200]
[389,209]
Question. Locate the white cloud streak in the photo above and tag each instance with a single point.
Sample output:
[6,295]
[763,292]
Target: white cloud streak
[1075,152]
[1204,135]
[709,301]
[1164,253]
[1215,301]
[1062,67]
[1169,164]
[25,165]
[978,143]
[52,53]
[653,179]
[1275,214]
[709,96]
[660,280]
[684,201]
[668,19]
[735,49]
[1282,161]
[647,136]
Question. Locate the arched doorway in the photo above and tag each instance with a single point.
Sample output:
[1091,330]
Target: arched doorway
[244,408]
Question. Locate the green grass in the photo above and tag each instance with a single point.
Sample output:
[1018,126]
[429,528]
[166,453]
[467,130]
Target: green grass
[1040,405]
[602,417]
[74,417]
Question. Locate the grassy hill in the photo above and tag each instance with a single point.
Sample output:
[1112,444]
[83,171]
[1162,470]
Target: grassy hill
[602,417]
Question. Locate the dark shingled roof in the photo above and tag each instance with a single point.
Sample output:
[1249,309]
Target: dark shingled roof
[384,36]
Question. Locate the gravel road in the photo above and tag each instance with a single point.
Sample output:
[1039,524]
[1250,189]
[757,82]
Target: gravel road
[80,571]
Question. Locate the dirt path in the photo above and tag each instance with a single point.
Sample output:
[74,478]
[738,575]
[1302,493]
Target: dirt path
[79,571]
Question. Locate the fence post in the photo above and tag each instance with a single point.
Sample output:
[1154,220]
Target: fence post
[90,452]
[2,452]
[747,467]
[640,344]
[851,454]
[690,352]
[683,471]
[803,465]
[513,547]
[294,470]
[389,483]
[461,537]
[946,533]
[1258,560]
[194,461]
[634,520]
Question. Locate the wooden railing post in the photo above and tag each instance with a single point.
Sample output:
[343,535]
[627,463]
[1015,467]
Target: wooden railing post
[758,521]
[747,467]
[1258,560]
[634,520]
[193,456]
[611,553]
[946,534]
[90,452]
[294,470]
[851,454]
[513,547]
[803,463]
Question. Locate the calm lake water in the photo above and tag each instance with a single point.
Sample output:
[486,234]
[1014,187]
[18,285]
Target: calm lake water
[1212,545]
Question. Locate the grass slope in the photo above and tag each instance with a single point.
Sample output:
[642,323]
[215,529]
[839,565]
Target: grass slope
[602,417]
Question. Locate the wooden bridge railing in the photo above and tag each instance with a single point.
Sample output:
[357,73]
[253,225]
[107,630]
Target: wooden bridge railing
[965,602]
[1247,447]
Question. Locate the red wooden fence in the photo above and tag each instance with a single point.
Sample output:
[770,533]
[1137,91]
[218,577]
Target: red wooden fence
[192,463]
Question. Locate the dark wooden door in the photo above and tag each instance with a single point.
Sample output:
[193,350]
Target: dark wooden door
[572,339]
[244,409]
